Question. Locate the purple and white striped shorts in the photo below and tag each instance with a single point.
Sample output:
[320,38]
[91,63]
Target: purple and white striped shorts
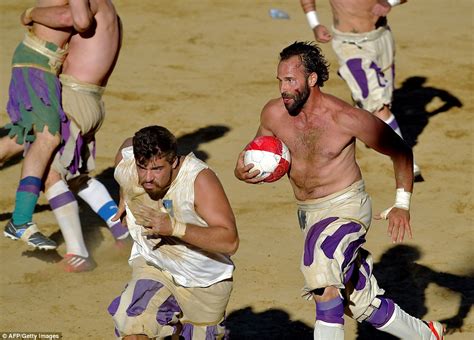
[335,229]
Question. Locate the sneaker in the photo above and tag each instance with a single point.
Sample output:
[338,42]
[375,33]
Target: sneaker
[29,233]
[73,263]
[436,328]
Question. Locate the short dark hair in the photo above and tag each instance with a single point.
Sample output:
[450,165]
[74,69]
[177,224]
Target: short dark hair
[154,141]
[312,58]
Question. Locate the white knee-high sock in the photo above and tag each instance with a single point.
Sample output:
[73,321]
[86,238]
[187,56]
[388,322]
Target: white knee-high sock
[407,327]
[392,122]
[66,210]
[99,199]
[328,331]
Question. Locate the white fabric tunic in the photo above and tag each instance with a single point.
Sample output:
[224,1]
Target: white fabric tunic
[190,266]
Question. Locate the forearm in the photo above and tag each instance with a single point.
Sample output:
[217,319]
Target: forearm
[308,5]
[216,239]
[403,169]
[54,17]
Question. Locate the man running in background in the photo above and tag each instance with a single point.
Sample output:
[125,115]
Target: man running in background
[93,55]
[364,45]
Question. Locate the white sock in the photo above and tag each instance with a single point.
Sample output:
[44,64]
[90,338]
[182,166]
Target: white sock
[328,331]
[407,327]
[66,210]
[99,199]
[392,122]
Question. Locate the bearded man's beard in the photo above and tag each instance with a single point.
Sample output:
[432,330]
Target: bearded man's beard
[299,100]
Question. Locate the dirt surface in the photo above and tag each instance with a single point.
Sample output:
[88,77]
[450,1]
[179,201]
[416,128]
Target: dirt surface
[204,69]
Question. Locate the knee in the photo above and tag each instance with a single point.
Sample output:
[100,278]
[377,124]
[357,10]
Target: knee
[329,306]
[47,139]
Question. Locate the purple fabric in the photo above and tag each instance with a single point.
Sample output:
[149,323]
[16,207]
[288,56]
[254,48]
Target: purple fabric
[167,310]
[144,290]
[349,273]
[394,124]
[187,331]
[355,67]
[18,93]
[114,305]
[37,82]
[331,243]
[30,184]
[378,72]
[211,332]
[312,237]
[118,229]
[351,250]
[61,200]
[331,311]
[383,314]
[117,333]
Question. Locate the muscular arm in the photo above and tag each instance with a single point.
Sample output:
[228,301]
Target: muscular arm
[212,205]
[54,16]
[383,7]
[83,12]
[380,137]
[321,33]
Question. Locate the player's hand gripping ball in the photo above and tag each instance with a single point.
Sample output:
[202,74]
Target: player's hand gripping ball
[269,155]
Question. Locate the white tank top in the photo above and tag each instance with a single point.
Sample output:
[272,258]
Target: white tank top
[190,266]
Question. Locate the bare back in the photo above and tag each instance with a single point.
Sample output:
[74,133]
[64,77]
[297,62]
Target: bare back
[353,15]
[92,54]
[322,155]
[56,36]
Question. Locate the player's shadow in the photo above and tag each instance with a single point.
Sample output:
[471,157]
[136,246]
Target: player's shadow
[406,281]
[414,103]
[190,142]
[272,324]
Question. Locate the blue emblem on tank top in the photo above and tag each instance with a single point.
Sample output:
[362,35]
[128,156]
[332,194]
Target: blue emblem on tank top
[168,204]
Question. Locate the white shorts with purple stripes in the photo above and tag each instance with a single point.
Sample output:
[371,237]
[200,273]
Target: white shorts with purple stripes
[366,63]
[334,228]
[154,305]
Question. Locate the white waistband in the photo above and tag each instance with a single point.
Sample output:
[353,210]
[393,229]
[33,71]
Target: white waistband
[323,202]
[359,37]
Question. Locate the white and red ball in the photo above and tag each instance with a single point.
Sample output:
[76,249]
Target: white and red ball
[269,155]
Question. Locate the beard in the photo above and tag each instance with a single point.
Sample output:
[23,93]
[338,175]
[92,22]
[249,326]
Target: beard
[299,99]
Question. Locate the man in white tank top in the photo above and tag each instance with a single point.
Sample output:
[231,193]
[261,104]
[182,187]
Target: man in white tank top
[184,233]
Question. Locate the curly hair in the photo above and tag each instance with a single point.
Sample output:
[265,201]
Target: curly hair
[154,141]
[312,58]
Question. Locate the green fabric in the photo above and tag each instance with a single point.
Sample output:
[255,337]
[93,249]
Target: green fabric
[25,55]
[41,115]
[25,203]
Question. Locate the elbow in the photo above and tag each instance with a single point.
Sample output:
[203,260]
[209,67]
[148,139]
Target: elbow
[82,24]
[232,247]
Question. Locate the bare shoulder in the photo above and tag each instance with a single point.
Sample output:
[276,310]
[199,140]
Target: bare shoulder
[207,181]
[273,108]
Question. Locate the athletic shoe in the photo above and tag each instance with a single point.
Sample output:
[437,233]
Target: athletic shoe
[436,328]
[73,263]
[29,233]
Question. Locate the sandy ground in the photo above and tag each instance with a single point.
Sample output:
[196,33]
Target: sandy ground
[204,69]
